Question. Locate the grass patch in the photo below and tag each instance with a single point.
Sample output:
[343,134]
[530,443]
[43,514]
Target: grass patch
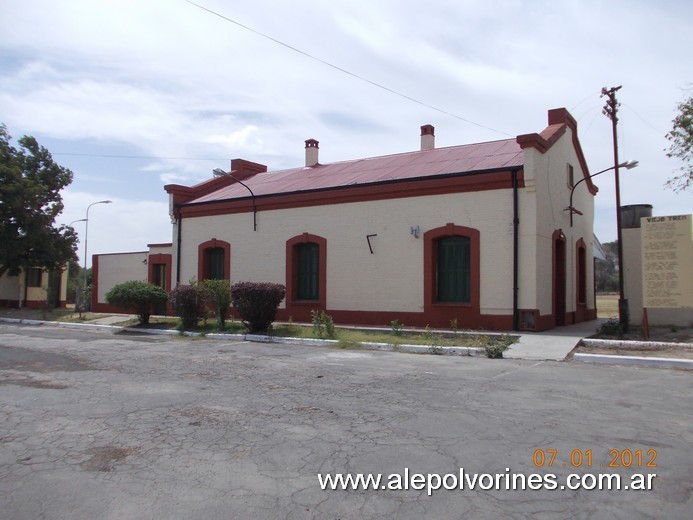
[349,345]
[435,341]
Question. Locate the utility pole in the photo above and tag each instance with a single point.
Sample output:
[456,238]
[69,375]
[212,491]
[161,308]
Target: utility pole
[610,110]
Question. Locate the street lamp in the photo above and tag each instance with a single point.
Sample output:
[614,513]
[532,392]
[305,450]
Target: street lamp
[86,237]
[218,172]
[628,165]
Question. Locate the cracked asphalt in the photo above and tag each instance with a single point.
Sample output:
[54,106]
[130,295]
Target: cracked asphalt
[119,426]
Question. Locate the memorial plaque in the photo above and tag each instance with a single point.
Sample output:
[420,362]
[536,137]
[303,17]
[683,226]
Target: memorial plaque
[667,261]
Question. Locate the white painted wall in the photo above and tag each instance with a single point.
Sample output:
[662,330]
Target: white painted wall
[118,268]
[542,211]
[390,279]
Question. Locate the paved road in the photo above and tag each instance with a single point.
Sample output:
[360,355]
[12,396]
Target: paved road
[102,425]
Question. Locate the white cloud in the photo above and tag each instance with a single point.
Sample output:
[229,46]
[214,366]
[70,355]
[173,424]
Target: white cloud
[170,80]
[245,137]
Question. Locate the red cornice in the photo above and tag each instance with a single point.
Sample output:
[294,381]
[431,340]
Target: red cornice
[559,120]
[183,194]
[542,141]
[240,169]
[363,193]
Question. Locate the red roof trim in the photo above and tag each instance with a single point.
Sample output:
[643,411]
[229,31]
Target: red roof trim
[240,169]
[362,193]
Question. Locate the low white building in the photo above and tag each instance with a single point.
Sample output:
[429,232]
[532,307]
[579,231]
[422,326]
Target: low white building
[34,288]
[477,233]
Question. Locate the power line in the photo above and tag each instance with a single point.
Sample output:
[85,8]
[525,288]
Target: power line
[653,127]
[344,71]
[138,157]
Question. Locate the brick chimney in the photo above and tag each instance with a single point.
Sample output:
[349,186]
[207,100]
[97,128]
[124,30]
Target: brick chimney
[312,150]
[428,137]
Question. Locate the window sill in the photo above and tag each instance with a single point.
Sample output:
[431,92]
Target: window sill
[304,303]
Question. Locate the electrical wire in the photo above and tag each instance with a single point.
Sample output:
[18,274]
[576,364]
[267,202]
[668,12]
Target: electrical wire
[653,127]
[139,157]
[347,72]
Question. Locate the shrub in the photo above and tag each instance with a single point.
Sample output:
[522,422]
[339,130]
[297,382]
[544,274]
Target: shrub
[218,293]
[188,304]
[433,341]
[323,325]
[495,347]
[140,297]
[397,327]
[257,303]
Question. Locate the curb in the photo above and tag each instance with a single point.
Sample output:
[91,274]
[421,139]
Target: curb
[415,349]
[607,359]
[261,338]
[630,344]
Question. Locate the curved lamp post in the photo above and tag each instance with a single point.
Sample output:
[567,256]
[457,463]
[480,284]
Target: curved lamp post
[218,172]
[628,165]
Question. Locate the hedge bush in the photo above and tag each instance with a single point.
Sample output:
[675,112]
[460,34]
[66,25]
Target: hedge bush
[218,294]
[188,304]
[140,297]
[257,303]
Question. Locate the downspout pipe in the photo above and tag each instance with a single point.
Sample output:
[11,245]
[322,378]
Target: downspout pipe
[178,243]
[516,251]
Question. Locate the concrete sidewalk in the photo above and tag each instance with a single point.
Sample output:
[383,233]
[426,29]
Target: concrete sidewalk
[554,344]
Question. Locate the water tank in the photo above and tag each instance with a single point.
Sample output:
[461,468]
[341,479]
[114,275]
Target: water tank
[631,215]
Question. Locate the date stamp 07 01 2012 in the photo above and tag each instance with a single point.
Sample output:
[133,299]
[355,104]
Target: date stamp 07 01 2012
[547,458]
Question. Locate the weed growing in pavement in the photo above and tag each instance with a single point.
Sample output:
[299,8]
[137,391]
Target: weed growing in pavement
[323,325]
[397,328]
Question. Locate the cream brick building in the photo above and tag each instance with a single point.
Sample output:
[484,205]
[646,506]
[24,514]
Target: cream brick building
[478,233]
[34,288]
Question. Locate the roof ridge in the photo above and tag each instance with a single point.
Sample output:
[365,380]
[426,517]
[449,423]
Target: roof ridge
[397,154]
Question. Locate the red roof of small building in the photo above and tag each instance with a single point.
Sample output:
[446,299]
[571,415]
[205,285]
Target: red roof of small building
[489,156]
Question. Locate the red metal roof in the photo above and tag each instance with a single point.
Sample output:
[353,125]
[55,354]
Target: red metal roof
[492,155]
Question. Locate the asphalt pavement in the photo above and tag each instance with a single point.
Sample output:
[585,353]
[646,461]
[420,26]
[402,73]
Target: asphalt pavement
[104,424]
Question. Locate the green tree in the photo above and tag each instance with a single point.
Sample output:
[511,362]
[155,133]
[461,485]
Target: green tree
[606,271]
[681,138]
[30,201]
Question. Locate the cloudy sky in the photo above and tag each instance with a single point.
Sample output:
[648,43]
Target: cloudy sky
[135,94]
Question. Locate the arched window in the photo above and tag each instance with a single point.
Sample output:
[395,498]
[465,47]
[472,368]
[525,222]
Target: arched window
[214,260]
[306,274]
[453,269]
[307,271]
[451,272]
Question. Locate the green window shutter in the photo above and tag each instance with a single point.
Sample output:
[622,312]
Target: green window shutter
[454,269]
[33,277]
[215,263]
[308,257]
